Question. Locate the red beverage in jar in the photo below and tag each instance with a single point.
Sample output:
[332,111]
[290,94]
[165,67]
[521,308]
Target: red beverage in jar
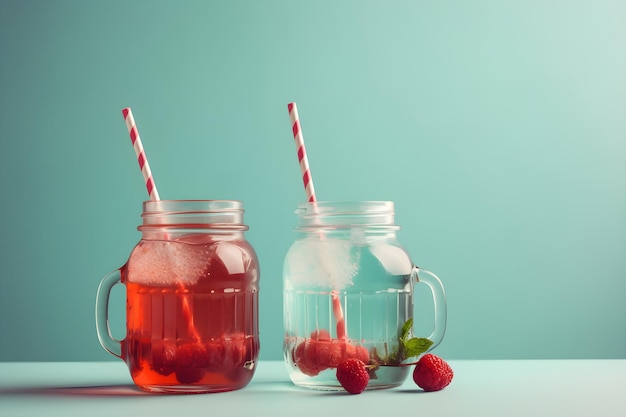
[191,310]
[192,322]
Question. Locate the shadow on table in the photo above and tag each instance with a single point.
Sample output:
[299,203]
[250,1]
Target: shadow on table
[129,390]
[286,387]
[411,391]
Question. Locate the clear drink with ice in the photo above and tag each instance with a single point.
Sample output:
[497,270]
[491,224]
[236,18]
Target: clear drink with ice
[192,300]
[348,292]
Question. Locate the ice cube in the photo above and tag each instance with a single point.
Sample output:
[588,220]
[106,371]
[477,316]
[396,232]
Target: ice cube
[393,258]
[235,258]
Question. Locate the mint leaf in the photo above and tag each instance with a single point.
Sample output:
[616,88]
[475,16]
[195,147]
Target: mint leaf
[405,349]
[406,328]
[416,346]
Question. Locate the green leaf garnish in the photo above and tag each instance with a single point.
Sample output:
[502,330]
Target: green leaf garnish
[416,346]
[406,328]
[405,349]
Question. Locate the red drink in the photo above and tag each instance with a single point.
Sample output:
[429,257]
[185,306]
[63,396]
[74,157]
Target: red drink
[191,314]
[192,286]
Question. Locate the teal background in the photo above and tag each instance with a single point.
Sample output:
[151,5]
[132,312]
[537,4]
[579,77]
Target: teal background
[497,128]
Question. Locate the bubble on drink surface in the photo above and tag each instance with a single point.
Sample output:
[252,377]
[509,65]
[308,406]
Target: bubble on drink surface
[169,262]
[326,263]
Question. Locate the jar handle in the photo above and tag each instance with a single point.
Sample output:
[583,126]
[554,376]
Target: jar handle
[424,276]
[108,342]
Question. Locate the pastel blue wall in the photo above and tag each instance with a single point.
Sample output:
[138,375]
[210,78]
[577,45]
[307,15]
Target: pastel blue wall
[498,128]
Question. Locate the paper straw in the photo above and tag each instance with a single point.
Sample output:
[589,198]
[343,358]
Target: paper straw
[154,196]
[307,179]
[302,157]
[141,155]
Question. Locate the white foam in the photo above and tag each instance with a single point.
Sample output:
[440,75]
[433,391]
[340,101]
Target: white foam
[167,263]
[327,263]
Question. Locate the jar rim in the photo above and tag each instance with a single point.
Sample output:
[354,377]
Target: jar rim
[175,206]
[322,206]
[193,214]
[372,214]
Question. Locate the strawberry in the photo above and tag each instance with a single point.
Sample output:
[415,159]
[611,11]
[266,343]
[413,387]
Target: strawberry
[163,357]
[235,350]
[353,376]
[214,361]
[321,334]
[327,354]
[356,351]
[432,373]
[321,352]
[191,361]
[189,375]
[301,358]
[241,354]
[191,355]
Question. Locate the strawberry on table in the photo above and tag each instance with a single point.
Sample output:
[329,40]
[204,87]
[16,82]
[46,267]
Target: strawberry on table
[432,373]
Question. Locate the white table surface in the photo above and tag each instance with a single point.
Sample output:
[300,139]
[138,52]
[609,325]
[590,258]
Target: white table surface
[590,388]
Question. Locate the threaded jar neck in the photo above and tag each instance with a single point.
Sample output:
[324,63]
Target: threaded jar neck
[332,215]
[206,216]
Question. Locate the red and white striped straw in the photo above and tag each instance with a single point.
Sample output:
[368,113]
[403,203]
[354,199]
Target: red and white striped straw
[141,155]
[310,193]
[302,157]
[154,196]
